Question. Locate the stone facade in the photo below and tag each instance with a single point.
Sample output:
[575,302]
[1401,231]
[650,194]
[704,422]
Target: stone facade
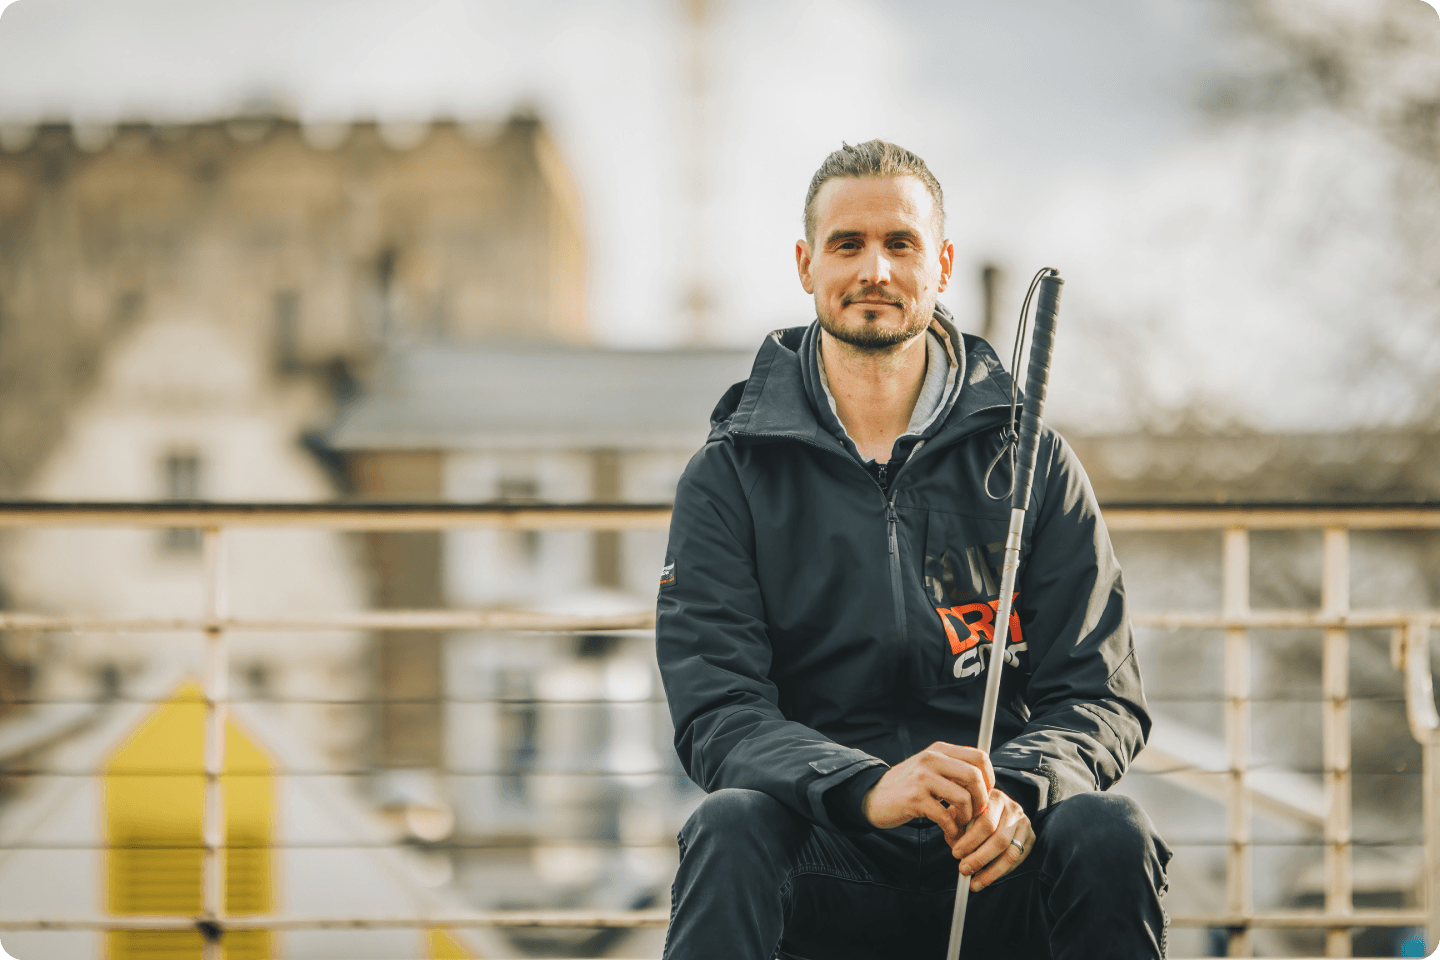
[181,307]
[310,248]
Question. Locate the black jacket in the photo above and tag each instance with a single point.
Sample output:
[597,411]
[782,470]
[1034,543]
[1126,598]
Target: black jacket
[813,627]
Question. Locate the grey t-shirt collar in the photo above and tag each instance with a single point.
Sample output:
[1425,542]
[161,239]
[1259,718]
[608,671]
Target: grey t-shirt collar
[943,369]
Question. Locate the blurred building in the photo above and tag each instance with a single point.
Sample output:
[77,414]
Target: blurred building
[517,423]
[181,308]
[181,305]
[548,424]
[307,247]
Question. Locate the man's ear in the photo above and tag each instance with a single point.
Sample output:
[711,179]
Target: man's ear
[802,266]
[947,263]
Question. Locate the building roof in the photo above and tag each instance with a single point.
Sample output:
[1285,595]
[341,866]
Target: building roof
[540,398]
[568,398]
[1361,465]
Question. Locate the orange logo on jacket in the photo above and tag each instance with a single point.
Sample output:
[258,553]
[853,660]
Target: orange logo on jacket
[978,620]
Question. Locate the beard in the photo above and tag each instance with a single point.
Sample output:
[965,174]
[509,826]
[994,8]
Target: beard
[869,334]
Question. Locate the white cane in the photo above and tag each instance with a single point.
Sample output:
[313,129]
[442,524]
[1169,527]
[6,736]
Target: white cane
[1036,379]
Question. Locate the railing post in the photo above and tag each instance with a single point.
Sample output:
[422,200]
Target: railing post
[1424,721]
[1335,689]
[1431,808]
[217,674]
[1235,603]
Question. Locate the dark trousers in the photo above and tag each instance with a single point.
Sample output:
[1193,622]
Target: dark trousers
[757,881]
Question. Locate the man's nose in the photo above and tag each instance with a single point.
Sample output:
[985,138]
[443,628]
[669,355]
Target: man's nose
[876,268]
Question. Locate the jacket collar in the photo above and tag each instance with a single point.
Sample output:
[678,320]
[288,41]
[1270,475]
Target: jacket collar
[774,404]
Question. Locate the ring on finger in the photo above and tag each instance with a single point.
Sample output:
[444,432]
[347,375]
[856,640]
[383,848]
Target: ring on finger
[1019,844]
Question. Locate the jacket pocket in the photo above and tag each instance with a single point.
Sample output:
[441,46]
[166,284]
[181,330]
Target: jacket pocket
[963,560]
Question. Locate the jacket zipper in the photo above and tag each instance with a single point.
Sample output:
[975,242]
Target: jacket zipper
[892,520]
[896,580]
[897,591]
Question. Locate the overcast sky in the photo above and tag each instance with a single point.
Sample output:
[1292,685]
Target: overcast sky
[1064,134]
[1001,98]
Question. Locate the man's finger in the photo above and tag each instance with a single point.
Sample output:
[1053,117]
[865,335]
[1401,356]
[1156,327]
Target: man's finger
[957,802]
[941,815]
[970,755]
[997,869]
[1008,860]
[960,798]
[967,775]
[981,829]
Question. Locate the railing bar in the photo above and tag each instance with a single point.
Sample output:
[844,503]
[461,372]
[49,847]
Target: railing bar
[1235,604]
[1152,698]
[1297,919]
[217,674]
[1126,517]
[599,919]
[240,774]
[517,621]
[1402,843]
[362,845]
[359,702]
[641,622]
[1335,713]
[1194,518]
[649,772]
[581,702]
[1431,812]
[1284,620]
[1272,766]
[645,918]
[340,516]
[1424,722]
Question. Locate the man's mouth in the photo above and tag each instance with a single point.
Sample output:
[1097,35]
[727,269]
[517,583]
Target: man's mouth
[879,301]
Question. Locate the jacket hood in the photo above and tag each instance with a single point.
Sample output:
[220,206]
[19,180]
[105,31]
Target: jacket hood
[775,404]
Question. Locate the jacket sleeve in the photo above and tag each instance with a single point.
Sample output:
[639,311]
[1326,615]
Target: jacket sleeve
[1087,718]
[714,651]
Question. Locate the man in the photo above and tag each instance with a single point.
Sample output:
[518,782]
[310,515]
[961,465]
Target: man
[825,617]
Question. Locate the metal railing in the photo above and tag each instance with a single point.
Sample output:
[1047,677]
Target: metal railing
[216,622]
[1235,618]
[1335,617]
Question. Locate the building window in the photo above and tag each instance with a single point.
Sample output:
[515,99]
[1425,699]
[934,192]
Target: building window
[181,477]
[385,295]
[286,330]
[518,740]
[127,307]
[522,547]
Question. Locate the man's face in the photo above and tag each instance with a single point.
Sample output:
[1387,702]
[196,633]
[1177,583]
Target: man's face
[876,263]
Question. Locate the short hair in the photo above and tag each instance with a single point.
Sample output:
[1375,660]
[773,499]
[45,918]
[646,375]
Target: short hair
[873,159]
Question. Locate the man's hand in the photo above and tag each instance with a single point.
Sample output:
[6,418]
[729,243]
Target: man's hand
[997,842]
[979,821]
[960,776]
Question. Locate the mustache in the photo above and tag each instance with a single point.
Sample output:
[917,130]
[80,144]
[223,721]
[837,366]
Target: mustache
[871,293]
